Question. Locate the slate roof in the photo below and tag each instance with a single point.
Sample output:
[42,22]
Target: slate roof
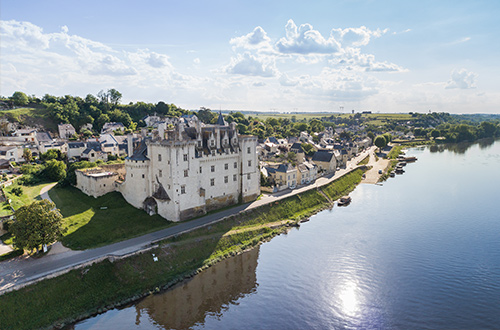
[43,137]
[322,156]
[284,168]
[298,147]
[75,145]
[220,120]
[141,153]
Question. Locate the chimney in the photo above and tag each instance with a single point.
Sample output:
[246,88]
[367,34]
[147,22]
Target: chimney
[130,145]
[161,130]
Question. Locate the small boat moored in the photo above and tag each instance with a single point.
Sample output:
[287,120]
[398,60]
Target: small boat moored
[343,201]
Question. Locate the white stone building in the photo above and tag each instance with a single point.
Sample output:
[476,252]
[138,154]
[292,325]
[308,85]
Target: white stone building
[188,171]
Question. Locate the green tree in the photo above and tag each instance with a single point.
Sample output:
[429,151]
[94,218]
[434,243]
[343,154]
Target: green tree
[27,155]
[37,224]
[20,98]
[435,133]
[55,170]
[380,142]
[114,96]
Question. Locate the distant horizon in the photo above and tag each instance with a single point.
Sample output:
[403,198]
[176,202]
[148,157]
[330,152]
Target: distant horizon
[384,56]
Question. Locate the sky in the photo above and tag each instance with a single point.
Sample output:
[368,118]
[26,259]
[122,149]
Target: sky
[282,56]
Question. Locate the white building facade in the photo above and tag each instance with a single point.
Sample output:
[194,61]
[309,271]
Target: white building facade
[188,171]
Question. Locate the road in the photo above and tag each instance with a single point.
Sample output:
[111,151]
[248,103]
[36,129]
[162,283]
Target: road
[23,270]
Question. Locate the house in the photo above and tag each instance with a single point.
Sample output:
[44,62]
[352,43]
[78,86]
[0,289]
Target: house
[93,152]
[66,131]
[109,128]
[43,138]
[307,173]
[184,172]
[57,145]
[299,152]
[325,160]
[75,149]
[25,135]
[11,153]
[109,144]
[284,176]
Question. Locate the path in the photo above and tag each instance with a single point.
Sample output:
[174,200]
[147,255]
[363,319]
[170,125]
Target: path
[23,270]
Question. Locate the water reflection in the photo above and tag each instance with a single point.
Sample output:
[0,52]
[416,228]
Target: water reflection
[462,147]
[349,299]
[209,293]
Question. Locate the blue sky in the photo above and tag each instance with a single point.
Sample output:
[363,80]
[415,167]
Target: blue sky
[384,56]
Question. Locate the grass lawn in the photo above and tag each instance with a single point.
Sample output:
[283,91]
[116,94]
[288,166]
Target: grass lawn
[30,194]
[93,222]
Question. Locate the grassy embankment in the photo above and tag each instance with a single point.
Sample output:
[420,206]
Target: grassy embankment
[364,161]
[83,292]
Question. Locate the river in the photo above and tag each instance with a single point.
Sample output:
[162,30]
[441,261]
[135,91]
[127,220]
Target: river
[420,252]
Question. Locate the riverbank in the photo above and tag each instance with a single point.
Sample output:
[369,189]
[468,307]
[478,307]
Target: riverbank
[81,293]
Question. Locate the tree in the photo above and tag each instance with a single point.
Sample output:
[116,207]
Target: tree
[380,142]
[55,170]
[114,96]
[435,133]
[27,155]
[37,224]
[20,98]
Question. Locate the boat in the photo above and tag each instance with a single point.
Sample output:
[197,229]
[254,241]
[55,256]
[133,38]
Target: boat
[399,170]
[392,174]
[407,159]
[344,201]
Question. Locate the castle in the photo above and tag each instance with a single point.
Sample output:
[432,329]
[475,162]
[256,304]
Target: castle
[183,171]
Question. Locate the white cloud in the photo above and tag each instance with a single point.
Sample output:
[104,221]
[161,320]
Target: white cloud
[461,79]
[197,61]
[158,60]
[286,81]
[305,40]
[257,39]
[249,65]
[354,60]
[355,37]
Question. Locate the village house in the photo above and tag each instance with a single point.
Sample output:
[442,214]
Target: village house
[299,152]
[187,171]
[284,176]
[66,131]
[25,135]
[11,153]
[307,173]
[325,160]
[109,128]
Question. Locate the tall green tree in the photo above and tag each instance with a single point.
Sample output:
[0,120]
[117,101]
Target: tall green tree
[380,142]
[37,224]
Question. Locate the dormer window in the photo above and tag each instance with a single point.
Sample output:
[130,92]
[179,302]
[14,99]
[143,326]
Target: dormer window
[212,143]
[199,144]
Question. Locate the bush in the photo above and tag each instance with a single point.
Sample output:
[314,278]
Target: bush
[29,179]
[18,191]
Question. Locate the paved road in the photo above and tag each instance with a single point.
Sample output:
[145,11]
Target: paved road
[23,270]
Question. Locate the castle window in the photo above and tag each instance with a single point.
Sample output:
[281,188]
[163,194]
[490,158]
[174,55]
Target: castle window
[226,179]
[159,157]
[131,175]
[249,163]
[200,170]
[235,164]
[160,173]
[212,182]
[185,173]
[226,166]
[143,176]
[234,177]
[185,157]
[199,144]
[183,189]
[212,168]
[248,176]
[213,152]
[212,143]
[248,150]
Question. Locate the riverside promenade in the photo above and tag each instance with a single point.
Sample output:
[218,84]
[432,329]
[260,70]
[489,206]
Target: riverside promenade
[24,270]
